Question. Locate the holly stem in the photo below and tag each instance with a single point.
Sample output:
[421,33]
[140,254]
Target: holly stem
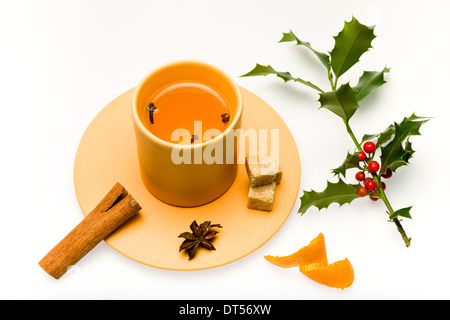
[330,78]
[382,195]
[377,180]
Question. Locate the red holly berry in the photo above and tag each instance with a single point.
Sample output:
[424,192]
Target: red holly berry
[361,156]
[387,174]
[361,192]
[383,185]
[370,184]
[369,147]
[360,176]
[373,166]
[373,199]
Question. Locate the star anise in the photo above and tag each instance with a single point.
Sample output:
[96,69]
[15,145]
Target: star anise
[200,236]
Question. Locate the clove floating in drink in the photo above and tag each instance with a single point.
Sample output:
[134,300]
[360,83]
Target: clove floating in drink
[225,117]
[151,108]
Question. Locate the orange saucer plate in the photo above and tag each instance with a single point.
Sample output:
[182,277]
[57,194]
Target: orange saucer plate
[107,154]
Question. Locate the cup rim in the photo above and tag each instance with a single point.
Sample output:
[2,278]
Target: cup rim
[168,144]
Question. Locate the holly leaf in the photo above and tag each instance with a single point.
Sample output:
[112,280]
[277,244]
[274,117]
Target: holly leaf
[368,82]
[382,137]
[385,136]
[339,192]
[260,70]
[398,152]
[323,57]
[341,102]
[409,150]
[351,161]
[354,40]
[404,212]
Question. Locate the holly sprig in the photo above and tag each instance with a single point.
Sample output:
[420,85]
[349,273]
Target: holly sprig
[376,155]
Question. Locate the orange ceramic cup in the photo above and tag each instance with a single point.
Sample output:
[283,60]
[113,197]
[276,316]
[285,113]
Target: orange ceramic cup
[187,184]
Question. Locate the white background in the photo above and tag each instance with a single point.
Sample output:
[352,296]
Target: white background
[62,61]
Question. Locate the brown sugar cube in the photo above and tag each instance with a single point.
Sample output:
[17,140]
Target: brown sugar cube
[262,168]
[279,175]
[261,198]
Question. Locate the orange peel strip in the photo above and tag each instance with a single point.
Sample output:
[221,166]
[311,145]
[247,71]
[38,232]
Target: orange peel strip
[315,252]
[339,274]
[313,263]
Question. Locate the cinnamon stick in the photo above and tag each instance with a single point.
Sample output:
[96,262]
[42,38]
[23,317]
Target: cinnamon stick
[111,212]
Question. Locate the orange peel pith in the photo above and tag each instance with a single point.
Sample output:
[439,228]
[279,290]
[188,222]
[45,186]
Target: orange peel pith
[312,262]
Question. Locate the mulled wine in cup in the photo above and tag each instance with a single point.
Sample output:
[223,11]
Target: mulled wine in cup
[186,117]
